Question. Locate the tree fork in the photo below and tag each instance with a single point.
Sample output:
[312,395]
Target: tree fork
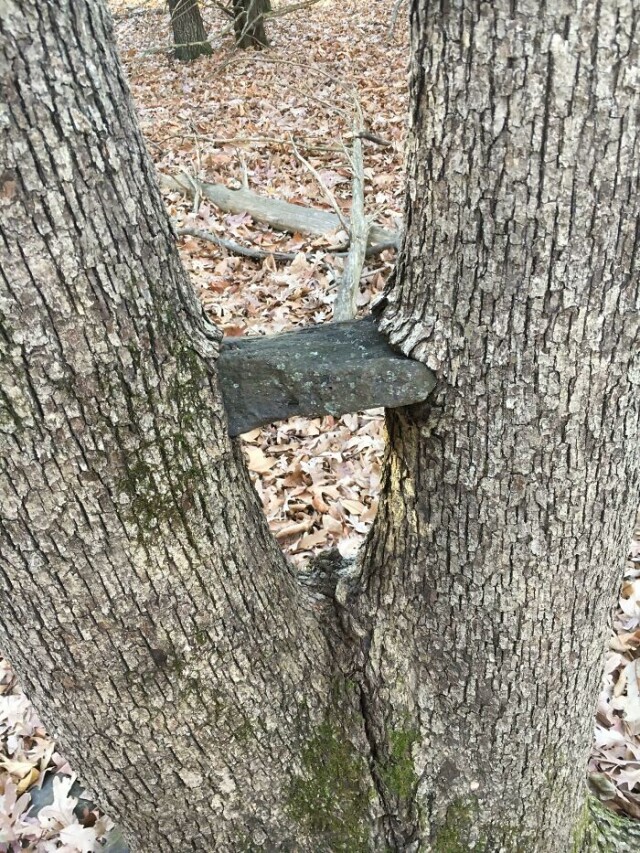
[210,698]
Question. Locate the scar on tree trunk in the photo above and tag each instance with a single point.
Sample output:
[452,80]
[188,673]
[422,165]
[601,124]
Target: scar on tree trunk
[249,23]
[189,35]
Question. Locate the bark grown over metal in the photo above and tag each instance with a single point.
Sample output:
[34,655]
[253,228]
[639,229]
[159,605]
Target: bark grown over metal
[437,694]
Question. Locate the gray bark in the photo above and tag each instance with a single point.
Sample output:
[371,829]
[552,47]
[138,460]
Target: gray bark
[150,615]
[189,34]
[511,499]
[345,306]
[438,695]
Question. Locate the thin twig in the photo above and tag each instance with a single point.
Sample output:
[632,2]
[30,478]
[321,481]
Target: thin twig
[253,140]
[345,305]
[136,13]
[257,254]
[394,18]
[196,138]
[197,196]
[226,9]
[243,166]
[377,140]
[325,189]
[324,103]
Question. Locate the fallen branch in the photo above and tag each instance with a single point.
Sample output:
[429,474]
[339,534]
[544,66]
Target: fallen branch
[280,215]
[344,307]
[285,10]
[136,13]
[377,140]
[252,140]
[235,248]
[328,369]
[261,254]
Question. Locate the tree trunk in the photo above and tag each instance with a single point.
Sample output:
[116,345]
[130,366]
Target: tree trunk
[189,34]
[151,616]
[508,502]
[438,694]
[249,23]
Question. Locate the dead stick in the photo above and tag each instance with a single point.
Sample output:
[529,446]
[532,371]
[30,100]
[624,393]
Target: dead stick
[234,248]
[345,305]
[394,18]
[285,10]
[260,254]
[279,215]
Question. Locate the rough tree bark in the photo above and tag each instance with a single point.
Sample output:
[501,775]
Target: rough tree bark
[438,693]
[189,34]
[509,501]
[249,23]
[150,614]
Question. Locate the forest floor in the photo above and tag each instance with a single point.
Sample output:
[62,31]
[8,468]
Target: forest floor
[251,119]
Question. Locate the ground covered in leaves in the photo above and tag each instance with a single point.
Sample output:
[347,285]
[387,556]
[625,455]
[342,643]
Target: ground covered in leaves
[253,119]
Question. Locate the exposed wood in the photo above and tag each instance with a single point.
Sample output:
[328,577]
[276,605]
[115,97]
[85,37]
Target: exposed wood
[281,215]
[328,369]
[325,189]
[345,304]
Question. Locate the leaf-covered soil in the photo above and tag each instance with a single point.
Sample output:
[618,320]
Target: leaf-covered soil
[249,119]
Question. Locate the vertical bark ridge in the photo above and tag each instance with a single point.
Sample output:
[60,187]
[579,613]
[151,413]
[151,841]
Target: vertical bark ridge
[492,565]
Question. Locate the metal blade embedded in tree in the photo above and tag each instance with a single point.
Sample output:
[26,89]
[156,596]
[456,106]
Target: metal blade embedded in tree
[329,369]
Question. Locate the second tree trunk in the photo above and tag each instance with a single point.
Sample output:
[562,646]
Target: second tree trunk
[249,23]
[189,35]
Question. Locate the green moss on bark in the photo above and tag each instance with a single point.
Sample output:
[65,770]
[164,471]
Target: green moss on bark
[331,798]
[599,829]
[459,833]
[398,773]
[462,832]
